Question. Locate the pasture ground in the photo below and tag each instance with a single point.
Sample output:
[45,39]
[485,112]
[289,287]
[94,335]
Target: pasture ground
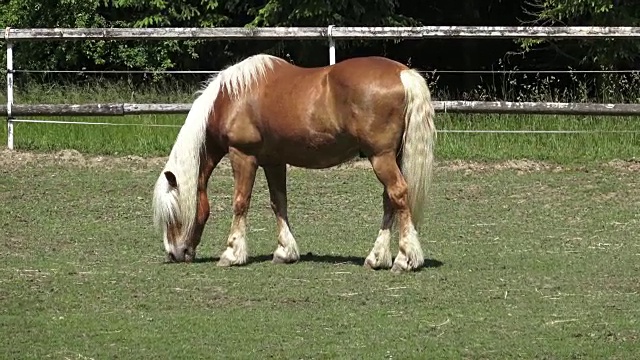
[527,260]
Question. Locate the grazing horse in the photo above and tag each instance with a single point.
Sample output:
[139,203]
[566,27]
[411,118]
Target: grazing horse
[265,112]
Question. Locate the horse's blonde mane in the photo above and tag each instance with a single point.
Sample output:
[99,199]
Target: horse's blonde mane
[238,78]
[180,205]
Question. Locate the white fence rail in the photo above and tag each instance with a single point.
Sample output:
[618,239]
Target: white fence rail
[318,33]
[330,34]
[456,106]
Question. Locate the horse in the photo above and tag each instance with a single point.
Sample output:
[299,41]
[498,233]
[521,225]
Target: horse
[264,112]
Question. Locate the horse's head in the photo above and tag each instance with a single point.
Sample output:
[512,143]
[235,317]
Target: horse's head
[179,217]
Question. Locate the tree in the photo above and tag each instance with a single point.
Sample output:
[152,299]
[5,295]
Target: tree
[105,54]
[587,53]
[324,13]
[192,54]
[63,13]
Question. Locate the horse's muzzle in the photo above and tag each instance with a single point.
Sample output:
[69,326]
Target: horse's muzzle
[181,255]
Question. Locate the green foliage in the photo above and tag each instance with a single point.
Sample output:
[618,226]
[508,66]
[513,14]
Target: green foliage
[425,54]
[600,52]
[160,55]
[152,55]
[322,13]
[575,10]
[39,14]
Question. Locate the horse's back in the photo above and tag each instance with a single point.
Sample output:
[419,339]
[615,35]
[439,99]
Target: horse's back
[353,72]
[366,71]
[358,72]
[370,63]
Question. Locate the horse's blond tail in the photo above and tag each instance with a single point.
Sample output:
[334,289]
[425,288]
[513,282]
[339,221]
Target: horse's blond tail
[418,142]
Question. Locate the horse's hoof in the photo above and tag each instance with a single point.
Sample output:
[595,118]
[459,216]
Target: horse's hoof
[398,269]
[370,264]
[280,256]
[373,263]
[283,260]
[400,266]
[278,260]
[224,262]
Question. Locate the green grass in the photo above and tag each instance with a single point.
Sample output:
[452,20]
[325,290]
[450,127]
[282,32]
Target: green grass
[146,141]
[561,148]
[531,265]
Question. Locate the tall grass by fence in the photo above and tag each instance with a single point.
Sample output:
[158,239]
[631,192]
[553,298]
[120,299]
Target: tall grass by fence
[480,137]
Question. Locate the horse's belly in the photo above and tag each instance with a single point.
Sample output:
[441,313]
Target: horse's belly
[319,151]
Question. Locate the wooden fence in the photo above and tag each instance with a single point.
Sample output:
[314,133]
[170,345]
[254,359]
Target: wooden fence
[467,107]
[330,34]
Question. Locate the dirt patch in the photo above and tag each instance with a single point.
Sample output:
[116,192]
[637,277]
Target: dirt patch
[18,159]
[524,166]
[520,166]
[632,165]
[355,164]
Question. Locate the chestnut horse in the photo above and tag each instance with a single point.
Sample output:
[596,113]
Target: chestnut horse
[265,112]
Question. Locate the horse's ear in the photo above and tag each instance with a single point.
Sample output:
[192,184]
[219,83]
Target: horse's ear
[171,179]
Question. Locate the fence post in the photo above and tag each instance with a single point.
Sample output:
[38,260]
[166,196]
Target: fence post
[9,89]
[332,46]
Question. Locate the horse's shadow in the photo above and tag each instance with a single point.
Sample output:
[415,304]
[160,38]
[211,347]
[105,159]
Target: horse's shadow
[316,258]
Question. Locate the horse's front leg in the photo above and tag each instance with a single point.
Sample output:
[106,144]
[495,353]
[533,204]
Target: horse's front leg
[244,175]
[287,250]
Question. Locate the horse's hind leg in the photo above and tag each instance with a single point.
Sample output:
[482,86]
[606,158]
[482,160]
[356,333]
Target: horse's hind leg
[380,255]
[287,250]
[410,256]
[244,175]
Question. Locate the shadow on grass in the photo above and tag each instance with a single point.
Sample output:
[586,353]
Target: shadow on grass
[315,258]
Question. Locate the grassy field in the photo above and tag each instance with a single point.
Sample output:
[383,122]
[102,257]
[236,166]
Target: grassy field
[154,141]
[524,263]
